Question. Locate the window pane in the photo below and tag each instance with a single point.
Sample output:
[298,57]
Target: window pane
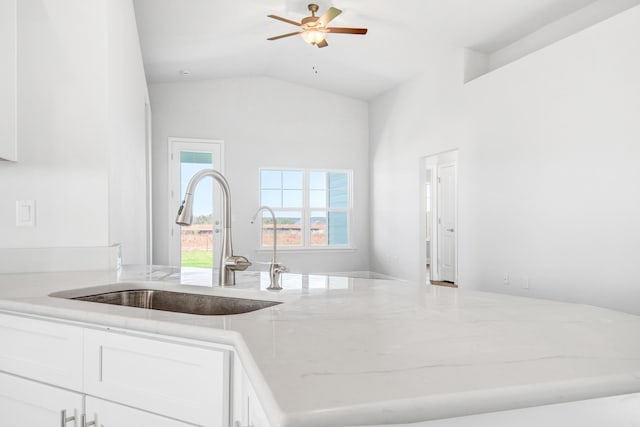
[338,231]
[196,240]
[292,180]
[338,190]
[318,180]
[322,195]
[292,198]
[270,179]
[271,198]
[204,159]
[266,235]
[289,229]
[317,199]
[318,225]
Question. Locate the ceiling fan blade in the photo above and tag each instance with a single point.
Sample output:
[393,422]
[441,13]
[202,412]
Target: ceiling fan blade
[288,21]
[328,16]
[323,43]
[344,30]
[285,35]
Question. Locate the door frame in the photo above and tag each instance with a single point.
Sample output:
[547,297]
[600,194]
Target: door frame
[174,199]
[429,165]
[148,117]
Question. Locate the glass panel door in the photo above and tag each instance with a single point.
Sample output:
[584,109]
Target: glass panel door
[194,248]
[196,240]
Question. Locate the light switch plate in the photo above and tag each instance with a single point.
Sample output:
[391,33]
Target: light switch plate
[26,213]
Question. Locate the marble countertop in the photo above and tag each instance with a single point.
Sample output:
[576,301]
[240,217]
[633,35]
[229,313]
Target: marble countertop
[358,351]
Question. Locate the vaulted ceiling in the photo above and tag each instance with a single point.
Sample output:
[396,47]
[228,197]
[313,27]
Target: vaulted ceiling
[227,38]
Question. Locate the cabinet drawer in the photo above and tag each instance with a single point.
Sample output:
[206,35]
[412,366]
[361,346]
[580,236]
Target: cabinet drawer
[187,382]
[108,414]
[25,403]
[45,351]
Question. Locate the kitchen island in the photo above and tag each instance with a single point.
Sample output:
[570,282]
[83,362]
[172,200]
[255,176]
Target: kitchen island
[343,351]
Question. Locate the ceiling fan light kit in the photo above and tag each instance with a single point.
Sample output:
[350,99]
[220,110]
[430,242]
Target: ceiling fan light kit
[313,36]
[313,29]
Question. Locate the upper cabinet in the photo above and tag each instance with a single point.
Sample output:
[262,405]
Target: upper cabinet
[8,80]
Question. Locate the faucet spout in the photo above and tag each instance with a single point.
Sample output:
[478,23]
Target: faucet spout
[229,263]
[275,268]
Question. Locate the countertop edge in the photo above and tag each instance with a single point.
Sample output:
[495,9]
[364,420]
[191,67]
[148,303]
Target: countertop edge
[462,404]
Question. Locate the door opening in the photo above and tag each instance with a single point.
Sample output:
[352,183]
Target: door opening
[439,212]
[194,248]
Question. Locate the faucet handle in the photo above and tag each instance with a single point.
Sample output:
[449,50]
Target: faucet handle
[281,268]
[237,263]
[274,271]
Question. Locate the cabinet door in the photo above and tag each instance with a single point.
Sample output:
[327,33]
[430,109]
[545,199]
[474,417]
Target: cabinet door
[185,382]
[107,414]
[246,407]
[28,403]
[8,83]
[45,351]
[257,416]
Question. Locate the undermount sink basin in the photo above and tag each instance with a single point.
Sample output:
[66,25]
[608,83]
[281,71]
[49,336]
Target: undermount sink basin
[180,302]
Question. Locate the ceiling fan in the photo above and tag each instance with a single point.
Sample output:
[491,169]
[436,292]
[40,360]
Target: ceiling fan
[313,29]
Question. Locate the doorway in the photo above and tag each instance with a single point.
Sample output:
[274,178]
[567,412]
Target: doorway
[194,248]
[439,211]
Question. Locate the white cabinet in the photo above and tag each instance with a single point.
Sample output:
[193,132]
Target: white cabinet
[186,382]
[247,409]
[108,414]
[45,351]
[239,408]
[8,80]
[257,416]
[152,379]
[28,403]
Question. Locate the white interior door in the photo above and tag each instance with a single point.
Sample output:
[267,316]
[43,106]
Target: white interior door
[195,246]
[447,222]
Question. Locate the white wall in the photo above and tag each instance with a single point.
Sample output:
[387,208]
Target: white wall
[71,107]
[405,125]
[263,123]
[8,79]
[559,29]
[62,144]
[548,170]
[127,97]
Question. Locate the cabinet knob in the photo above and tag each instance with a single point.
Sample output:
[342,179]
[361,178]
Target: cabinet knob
[64,419]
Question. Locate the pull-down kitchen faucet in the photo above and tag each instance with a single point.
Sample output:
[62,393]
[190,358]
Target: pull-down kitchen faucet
[229,263]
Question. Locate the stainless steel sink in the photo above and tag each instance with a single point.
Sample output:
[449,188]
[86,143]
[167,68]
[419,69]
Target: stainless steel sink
[180,302]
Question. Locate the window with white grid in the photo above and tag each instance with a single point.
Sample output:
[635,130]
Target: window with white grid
[312,207]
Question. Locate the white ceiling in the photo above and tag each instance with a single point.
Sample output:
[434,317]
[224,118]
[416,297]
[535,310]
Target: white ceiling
[217,39]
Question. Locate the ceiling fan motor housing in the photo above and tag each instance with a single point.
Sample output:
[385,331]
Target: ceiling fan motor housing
[309,21]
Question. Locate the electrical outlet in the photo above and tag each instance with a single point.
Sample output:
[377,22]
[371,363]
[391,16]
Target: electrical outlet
[526,284]
[505,279]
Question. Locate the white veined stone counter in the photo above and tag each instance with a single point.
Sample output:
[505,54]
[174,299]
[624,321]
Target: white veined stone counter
[354,351]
